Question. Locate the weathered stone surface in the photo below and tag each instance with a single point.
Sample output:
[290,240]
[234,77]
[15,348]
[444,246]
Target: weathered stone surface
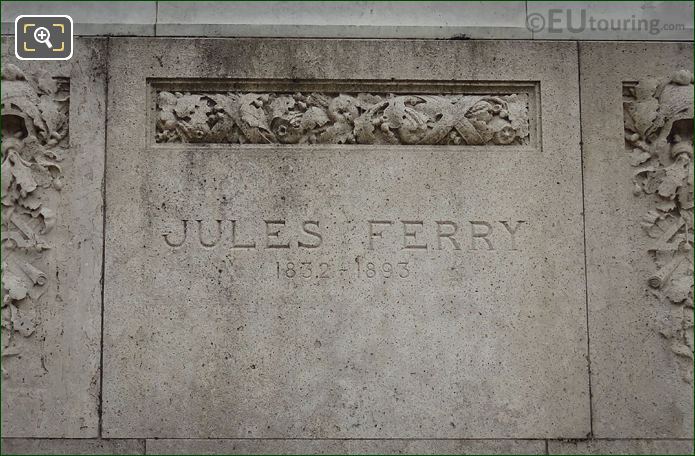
[296,321]
[73,446]
[504,20]
[90,17]
[659,140]
[53,116]
[344,446]
[621,447]
[342,118]
[638,198]
[634,20]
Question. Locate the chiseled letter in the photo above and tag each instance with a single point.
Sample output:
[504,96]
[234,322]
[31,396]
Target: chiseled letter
[511,231]
[235,244]
[411,234]
[475,234]
[316,234]
[271,232]
[449,236]
[215,240]
[183,239]
[372,233]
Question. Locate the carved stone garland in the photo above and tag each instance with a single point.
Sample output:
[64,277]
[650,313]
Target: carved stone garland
[659,138]
[34,138]
[323,118]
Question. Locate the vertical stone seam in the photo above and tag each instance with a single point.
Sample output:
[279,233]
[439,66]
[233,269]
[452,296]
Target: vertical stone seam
[586,270]
[156,16]
[526,19]
[103,234]
[546,447]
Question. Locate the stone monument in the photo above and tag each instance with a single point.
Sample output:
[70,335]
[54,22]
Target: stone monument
[319,251]
[340,246]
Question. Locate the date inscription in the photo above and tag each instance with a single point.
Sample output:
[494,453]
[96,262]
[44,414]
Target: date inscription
[360,268]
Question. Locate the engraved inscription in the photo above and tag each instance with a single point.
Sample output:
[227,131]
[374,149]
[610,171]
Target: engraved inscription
[405,235]
[383,249]
[361,267]
[659,140]
[34,140]
[276,235]
[341,118]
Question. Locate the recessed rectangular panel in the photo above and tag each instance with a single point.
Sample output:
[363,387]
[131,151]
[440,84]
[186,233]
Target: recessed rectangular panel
[394,287]
[333,112]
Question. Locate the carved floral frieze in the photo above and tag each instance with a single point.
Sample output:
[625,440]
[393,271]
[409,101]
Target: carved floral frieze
[658,117]
[330,118]
[34,139]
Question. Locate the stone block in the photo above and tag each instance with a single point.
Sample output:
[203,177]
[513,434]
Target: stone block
[73,446]
[344,20]
[627,446]
[344,446]
[641,364]
[91,17]
[53,116]
[344,239]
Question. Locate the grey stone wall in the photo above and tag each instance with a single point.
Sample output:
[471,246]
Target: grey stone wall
[641,21]
[532,235]
[352,446]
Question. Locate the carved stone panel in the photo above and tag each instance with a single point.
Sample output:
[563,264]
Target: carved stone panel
[341,118]
[637,133]
[303,242]
[52,243]
[659,139]
[35,111]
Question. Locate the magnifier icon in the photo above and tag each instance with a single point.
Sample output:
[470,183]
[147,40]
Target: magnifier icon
[42,35]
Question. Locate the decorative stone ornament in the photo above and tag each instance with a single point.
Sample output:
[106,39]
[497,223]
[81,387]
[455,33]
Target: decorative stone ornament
[659,139]
[34,138]
[326,118]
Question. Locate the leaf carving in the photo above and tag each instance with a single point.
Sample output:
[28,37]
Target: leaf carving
[328,118]
[35,106]
[659,142]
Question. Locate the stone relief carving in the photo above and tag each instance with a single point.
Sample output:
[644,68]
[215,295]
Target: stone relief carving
[659,139]
[323,118]
[34,139]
